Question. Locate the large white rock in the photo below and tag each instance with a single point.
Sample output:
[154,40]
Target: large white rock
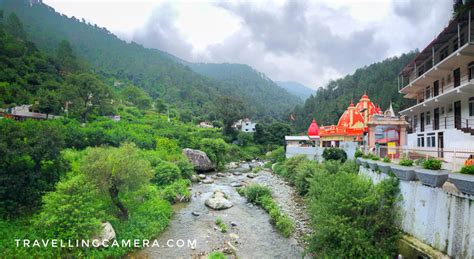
[218,201]
[199,159]
[106,235]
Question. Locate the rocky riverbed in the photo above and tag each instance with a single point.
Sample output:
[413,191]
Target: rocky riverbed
[249,233]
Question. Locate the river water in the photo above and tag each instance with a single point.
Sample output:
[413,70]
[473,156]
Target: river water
[249,232]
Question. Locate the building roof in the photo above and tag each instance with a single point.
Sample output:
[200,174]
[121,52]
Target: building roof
[296,138]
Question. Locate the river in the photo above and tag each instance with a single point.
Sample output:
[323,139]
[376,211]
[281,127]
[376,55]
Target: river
[249,232]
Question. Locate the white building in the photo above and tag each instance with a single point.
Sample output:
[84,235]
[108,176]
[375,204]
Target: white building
[248,126]
[441,81]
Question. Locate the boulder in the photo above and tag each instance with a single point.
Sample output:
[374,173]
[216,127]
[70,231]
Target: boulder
[251,175]
[194,178]
[106,235]
[232,165]
[218,201]
[202,176]
[237,173]
[235,184]
[220,175]
[199,159]
[208,180]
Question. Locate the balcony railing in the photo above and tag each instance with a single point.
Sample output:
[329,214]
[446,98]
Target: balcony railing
[448,122]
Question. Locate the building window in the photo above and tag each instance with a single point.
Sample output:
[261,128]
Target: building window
[421,140]
[461,39]
[471,106]
[455,44]
[428,118]
[457,77]
[430,140]
[415,121]
[427,93]
[435,88]
[441,110]
[470,67]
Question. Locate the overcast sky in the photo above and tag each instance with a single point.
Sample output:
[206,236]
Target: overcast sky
[309,42]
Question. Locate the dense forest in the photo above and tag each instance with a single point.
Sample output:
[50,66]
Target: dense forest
[296,88]
[378,80]
[161,75]
[266,97]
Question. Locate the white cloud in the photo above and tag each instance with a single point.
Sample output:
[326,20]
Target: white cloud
[306,41]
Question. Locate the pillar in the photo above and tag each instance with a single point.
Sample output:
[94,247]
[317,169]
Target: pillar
[371,143]
[403,136]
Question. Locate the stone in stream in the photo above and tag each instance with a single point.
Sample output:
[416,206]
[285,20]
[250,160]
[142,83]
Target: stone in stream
[232,165]
[199,159]
[207,181]
[251,175]
[232,223]
[194,213]
[194,178]
[202,176]
[235,184]
[220,174]
[107,233]
[218,201]
[237,173]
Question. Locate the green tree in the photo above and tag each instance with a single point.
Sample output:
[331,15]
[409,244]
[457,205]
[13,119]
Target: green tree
[49,102]
[116,171]
[15,27]
[66,58]
[86,95]
[216,149]
[78,199]
[230,109]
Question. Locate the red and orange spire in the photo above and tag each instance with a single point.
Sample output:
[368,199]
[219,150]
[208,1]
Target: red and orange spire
[313,130]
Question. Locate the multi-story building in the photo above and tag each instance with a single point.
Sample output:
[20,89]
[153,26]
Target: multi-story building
[441,81]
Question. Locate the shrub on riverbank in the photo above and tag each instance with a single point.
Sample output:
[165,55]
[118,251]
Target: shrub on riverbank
[261,196]
[352,217]
[334,153]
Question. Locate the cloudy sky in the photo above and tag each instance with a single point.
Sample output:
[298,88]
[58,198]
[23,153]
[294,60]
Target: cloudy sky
[309,42]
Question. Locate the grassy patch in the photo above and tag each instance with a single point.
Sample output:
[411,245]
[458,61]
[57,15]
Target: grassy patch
[261,196]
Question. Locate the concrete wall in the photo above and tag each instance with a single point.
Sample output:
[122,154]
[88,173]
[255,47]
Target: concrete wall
[315,153]
[441,219]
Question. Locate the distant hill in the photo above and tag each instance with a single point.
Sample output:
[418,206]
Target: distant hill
[159,73]
[296,88]
[379,80]
[251,85]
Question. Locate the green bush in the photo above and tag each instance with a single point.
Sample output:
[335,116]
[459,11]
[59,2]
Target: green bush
[351,217]
[350,166]
[277,155]
[304,172]
[221,225]
[468,169]
[216,149]
[216,255]
[254,191]
[165,173]
[364,156]
[73,211]
[375,158]
[406,162]
[386,159]
[177,191]
[285,225]
[334,154]
[358,153]
[290,166]
[432,164]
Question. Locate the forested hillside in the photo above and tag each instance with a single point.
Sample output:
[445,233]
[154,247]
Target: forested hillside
[161,75]
[296,88]
[266,97]
[378,80]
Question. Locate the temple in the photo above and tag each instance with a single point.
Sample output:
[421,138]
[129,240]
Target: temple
[352,125]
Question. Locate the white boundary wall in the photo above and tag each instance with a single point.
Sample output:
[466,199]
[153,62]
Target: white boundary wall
[441,219]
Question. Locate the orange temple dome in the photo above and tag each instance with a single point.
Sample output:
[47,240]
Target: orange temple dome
[351,118]
[313,130]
